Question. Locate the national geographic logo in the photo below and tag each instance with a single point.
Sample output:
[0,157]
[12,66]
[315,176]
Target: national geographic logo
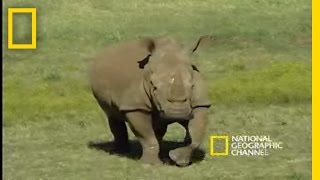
[33,12]
[240,145]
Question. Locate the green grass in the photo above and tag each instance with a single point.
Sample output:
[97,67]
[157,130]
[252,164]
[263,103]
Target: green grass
[275,83]
[58,149]
[258,72]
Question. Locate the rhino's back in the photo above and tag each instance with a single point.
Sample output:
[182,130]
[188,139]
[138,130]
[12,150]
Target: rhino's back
[116,70]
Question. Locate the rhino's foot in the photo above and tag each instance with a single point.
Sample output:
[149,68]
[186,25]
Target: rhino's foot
[151,160]
[181,156]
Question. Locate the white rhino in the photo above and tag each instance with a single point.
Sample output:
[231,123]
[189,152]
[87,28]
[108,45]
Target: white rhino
[149,84]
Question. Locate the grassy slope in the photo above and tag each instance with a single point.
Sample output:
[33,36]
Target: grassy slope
[259,67]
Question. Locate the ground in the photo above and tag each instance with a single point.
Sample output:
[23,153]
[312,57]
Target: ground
[258,72]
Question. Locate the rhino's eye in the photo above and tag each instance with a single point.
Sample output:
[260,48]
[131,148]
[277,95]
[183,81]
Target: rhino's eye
[152,84]
[192,83]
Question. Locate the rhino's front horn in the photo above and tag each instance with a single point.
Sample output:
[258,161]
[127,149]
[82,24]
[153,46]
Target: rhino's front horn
[177,90]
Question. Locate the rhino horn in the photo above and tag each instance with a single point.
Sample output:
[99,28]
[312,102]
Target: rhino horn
[177,91]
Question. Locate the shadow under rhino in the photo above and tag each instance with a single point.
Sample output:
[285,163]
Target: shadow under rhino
[135,150]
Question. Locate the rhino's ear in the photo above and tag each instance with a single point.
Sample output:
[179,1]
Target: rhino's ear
[149,44]
[203,42]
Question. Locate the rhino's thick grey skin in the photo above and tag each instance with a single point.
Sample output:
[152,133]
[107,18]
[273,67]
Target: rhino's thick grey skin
[151,83]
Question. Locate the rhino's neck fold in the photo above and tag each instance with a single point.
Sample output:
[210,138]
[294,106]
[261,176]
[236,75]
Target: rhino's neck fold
[147,91]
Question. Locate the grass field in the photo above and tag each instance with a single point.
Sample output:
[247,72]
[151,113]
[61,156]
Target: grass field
[258,72]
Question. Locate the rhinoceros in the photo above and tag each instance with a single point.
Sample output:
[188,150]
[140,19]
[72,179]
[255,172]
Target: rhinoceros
[150,83]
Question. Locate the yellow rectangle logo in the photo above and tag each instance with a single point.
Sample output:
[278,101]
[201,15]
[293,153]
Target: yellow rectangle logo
[226,148]
[33,44]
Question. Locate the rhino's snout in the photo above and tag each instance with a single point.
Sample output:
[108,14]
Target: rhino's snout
[167,115]
[175,111]
[176,100]
[179,110]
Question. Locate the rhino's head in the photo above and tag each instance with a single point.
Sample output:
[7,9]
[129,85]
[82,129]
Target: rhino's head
[169,78]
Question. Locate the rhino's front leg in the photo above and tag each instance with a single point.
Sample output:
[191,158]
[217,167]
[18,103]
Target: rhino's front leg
[141,125]
[197,129]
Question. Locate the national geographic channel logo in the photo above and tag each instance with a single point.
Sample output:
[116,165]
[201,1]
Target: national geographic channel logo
[240,145]
[33,12]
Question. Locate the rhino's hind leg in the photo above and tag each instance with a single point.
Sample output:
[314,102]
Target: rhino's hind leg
[160,132]
[120,133]
[160,129]
[117,126]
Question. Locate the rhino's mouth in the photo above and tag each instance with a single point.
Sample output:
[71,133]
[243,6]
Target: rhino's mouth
[184,114]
